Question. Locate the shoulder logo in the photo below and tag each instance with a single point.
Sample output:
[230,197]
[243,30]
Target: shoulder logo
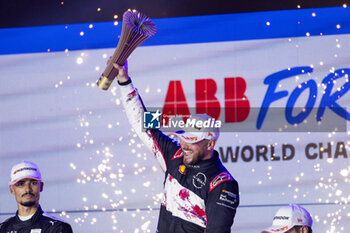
[222,177]
[178,154]
[131,95]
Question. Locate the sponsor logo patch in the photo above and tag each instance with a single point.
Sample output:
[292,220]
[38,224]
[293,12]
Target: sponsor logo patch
[25,168]
[189,138]
[178,154]
[222,177]
[199,180]
[182,169]
[227,199]
[230,194]
[281,217]
[131,95]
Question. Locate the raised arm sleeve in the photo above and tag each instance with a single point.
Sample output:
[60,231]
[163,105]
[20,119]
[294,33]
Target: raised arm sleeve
[158,143]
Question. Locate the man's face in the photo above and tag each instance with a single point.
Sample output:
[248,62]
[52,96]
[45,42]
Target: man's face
[194,152]
[27,191]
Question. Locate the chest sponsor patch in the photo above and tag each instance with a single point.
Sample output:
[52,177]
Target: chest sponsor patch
[199,180]
[182,169]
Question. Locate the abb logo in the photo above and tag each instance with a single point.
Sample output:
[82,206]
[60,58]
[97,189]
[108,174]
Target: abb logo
[236,104]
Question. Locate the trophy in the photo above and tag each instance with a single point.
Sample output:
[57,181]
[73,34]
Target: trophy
[137,28]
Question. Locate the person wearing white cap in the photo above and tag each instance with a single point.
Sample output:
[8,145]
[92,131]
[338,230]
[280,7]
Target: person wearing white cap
[291,219]
[26,184]
[200,195]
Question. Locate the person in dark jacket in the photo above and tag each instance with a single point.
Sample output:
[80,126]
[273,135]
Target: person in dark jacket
[200,195]
[26,185]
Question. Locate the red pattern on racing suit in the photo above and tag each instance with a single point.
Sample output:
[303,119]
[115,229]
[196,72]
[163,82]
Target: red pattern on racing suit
[197,198]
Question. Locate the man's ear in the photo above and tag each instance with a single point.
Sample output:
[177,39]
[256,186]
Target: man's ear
[304,229]
[11,189]
[41,186]
[211,144]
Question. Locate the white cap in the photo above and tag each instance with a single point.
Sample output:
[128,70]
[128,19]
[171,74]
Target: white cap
[287,217]
[25,169]
[199,127]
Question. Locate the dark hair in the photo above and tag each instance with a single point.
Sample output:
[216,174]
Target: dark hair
[297,228]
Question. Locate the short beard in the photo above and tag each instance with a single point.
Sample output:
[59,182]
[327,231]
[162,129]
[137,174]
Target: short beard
[28,203]
[194,161]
